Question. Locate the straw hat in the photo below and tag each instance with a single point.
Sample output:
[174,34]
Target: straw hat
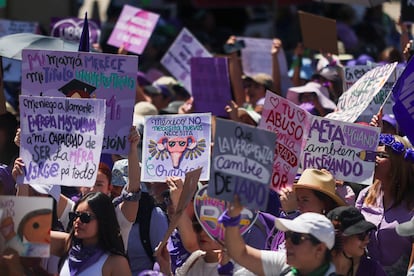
[321,181]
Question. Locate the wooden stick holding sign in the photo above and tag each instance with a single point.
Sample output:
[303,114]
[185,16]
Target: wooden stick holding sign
[190,187]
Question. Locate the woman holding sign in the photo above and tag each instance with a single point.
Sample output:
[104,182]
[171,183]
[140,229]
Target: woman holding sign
[388,202]
[94,246]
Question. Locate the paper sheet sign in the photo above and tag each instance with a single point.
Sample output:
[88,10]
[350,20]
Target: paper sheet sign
[25,225]
[61,140]
[87,75]
[133,29]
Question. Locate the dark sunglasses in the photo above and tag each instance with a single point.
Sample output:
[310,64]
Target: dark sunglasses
[197,227]
[84,217]
[363,235]
[382,154]
[296,238]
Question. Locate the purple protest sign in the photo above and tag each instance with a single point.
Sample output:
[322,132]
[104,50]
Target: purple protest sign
[87,75]
[210,84]
[347,150]
[71,29]
[133,29]
[174,145]
[291,125]
[61,140]
[208,210]
[404,99]
[177,60]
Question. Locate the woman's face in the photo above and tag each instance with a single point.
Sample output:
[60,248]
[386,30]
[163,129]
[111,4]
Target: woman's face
[101,185]
[354,246]
[382,164]
[204,241]
[308,201]
[87,232]
[301,255]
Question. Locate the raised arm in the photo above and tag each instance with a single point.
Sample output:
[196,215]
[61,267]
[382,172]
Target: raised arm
[235,71]
[276,46]
[237,249]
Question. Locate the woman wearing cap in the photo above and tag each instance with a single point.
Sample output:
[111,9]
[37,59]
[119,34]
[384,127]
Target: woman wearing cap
[309,240]
[314,192]
[388,202]
[352,237]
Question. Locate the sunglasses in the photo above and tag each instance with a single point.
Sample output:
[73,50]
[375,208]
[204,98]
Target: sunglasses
[363,235]
[197,227]
[84,217]
[382,154]
[297,238]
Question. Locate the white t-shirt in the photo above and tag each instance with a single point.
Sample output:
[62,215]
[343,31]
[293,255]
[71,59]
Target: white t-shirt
[274,263]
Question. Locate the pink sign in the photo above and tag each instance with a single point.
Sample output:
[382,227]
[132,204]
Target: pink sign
[133,29]
[208,210]
[291,124]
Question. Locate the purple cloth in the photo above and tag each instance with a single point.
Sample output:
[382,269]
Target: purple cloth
[177,251]
[347,35]
[387,247]
[368,266]
[7,179]
[81,257]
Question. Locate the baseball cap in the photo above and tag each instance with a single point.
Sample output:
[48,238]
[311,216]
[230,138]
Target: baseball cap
[120,173]
[406,229]
[47,189]
[263,79]
[349,220]
[311,223]
[154,90]
[390,118]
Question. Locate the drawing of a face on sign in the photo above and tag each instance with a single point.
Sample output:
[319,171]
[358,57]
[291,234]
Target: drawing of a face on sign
[207,211]
[177,148]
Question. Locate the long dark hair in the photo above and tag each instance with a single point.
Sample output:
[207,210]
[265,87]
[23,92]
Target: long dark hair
[109,234]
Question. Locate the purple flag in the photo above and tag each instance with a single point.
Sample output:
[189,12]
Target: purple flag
[403,93]
[84,39]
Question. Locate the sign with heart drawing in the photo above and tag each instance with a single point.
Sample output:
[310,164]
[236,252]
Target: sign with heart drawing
[291,125]
[208,210]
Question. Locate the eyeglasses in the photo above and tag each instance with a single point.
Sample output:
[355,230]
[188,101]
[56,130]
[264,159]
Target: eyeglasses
[363,235]
[197,227]
[382,154]
[296,238]
[84,217]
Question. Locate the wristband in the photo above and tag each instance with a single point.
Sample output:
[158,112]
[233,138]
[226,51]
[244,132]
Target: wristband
[227,221]
[226,269]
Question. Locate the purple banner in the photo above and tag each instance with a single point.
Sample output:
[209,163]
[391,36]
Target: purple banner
[71,29]
[87,75]
[403,93]
[210,84]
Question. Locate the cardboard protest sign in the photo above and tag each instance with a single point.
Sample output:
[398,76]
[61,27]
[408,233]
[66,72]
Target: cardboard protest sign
[70,29]
[208,210]
[210,84]
[61,140]
[242,163]
[291,125]
[189,189]
[407,11]
[87,75]
[177,60]
[257,58]
[315,39]
[347,150]
[353,73]
[354,101]
[25,225]
[403,93]
[174,145]
[133,29]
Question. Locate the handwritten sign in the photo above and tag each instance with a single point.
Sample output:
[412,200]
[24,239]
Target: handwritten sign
[25,225]
[347,150]
[242,163]
[87,75]
[15,27]
[70,29]
[133,29]
[291,125]
[354,101]
[61,140]
[353,73]
[174,145]
[208,210]
[210,84]
[177,60]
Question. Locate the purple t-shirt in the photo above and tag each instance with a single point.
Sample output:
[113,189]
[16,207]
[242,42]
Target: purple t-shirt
[387,247]
[368,266]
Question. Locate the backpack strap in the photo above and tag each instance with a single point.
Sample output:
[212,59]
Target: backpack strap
[146,205]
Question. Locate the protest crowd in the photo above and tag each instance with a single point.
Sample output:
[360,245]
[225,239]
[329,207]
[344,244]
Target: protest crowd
[178,145]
